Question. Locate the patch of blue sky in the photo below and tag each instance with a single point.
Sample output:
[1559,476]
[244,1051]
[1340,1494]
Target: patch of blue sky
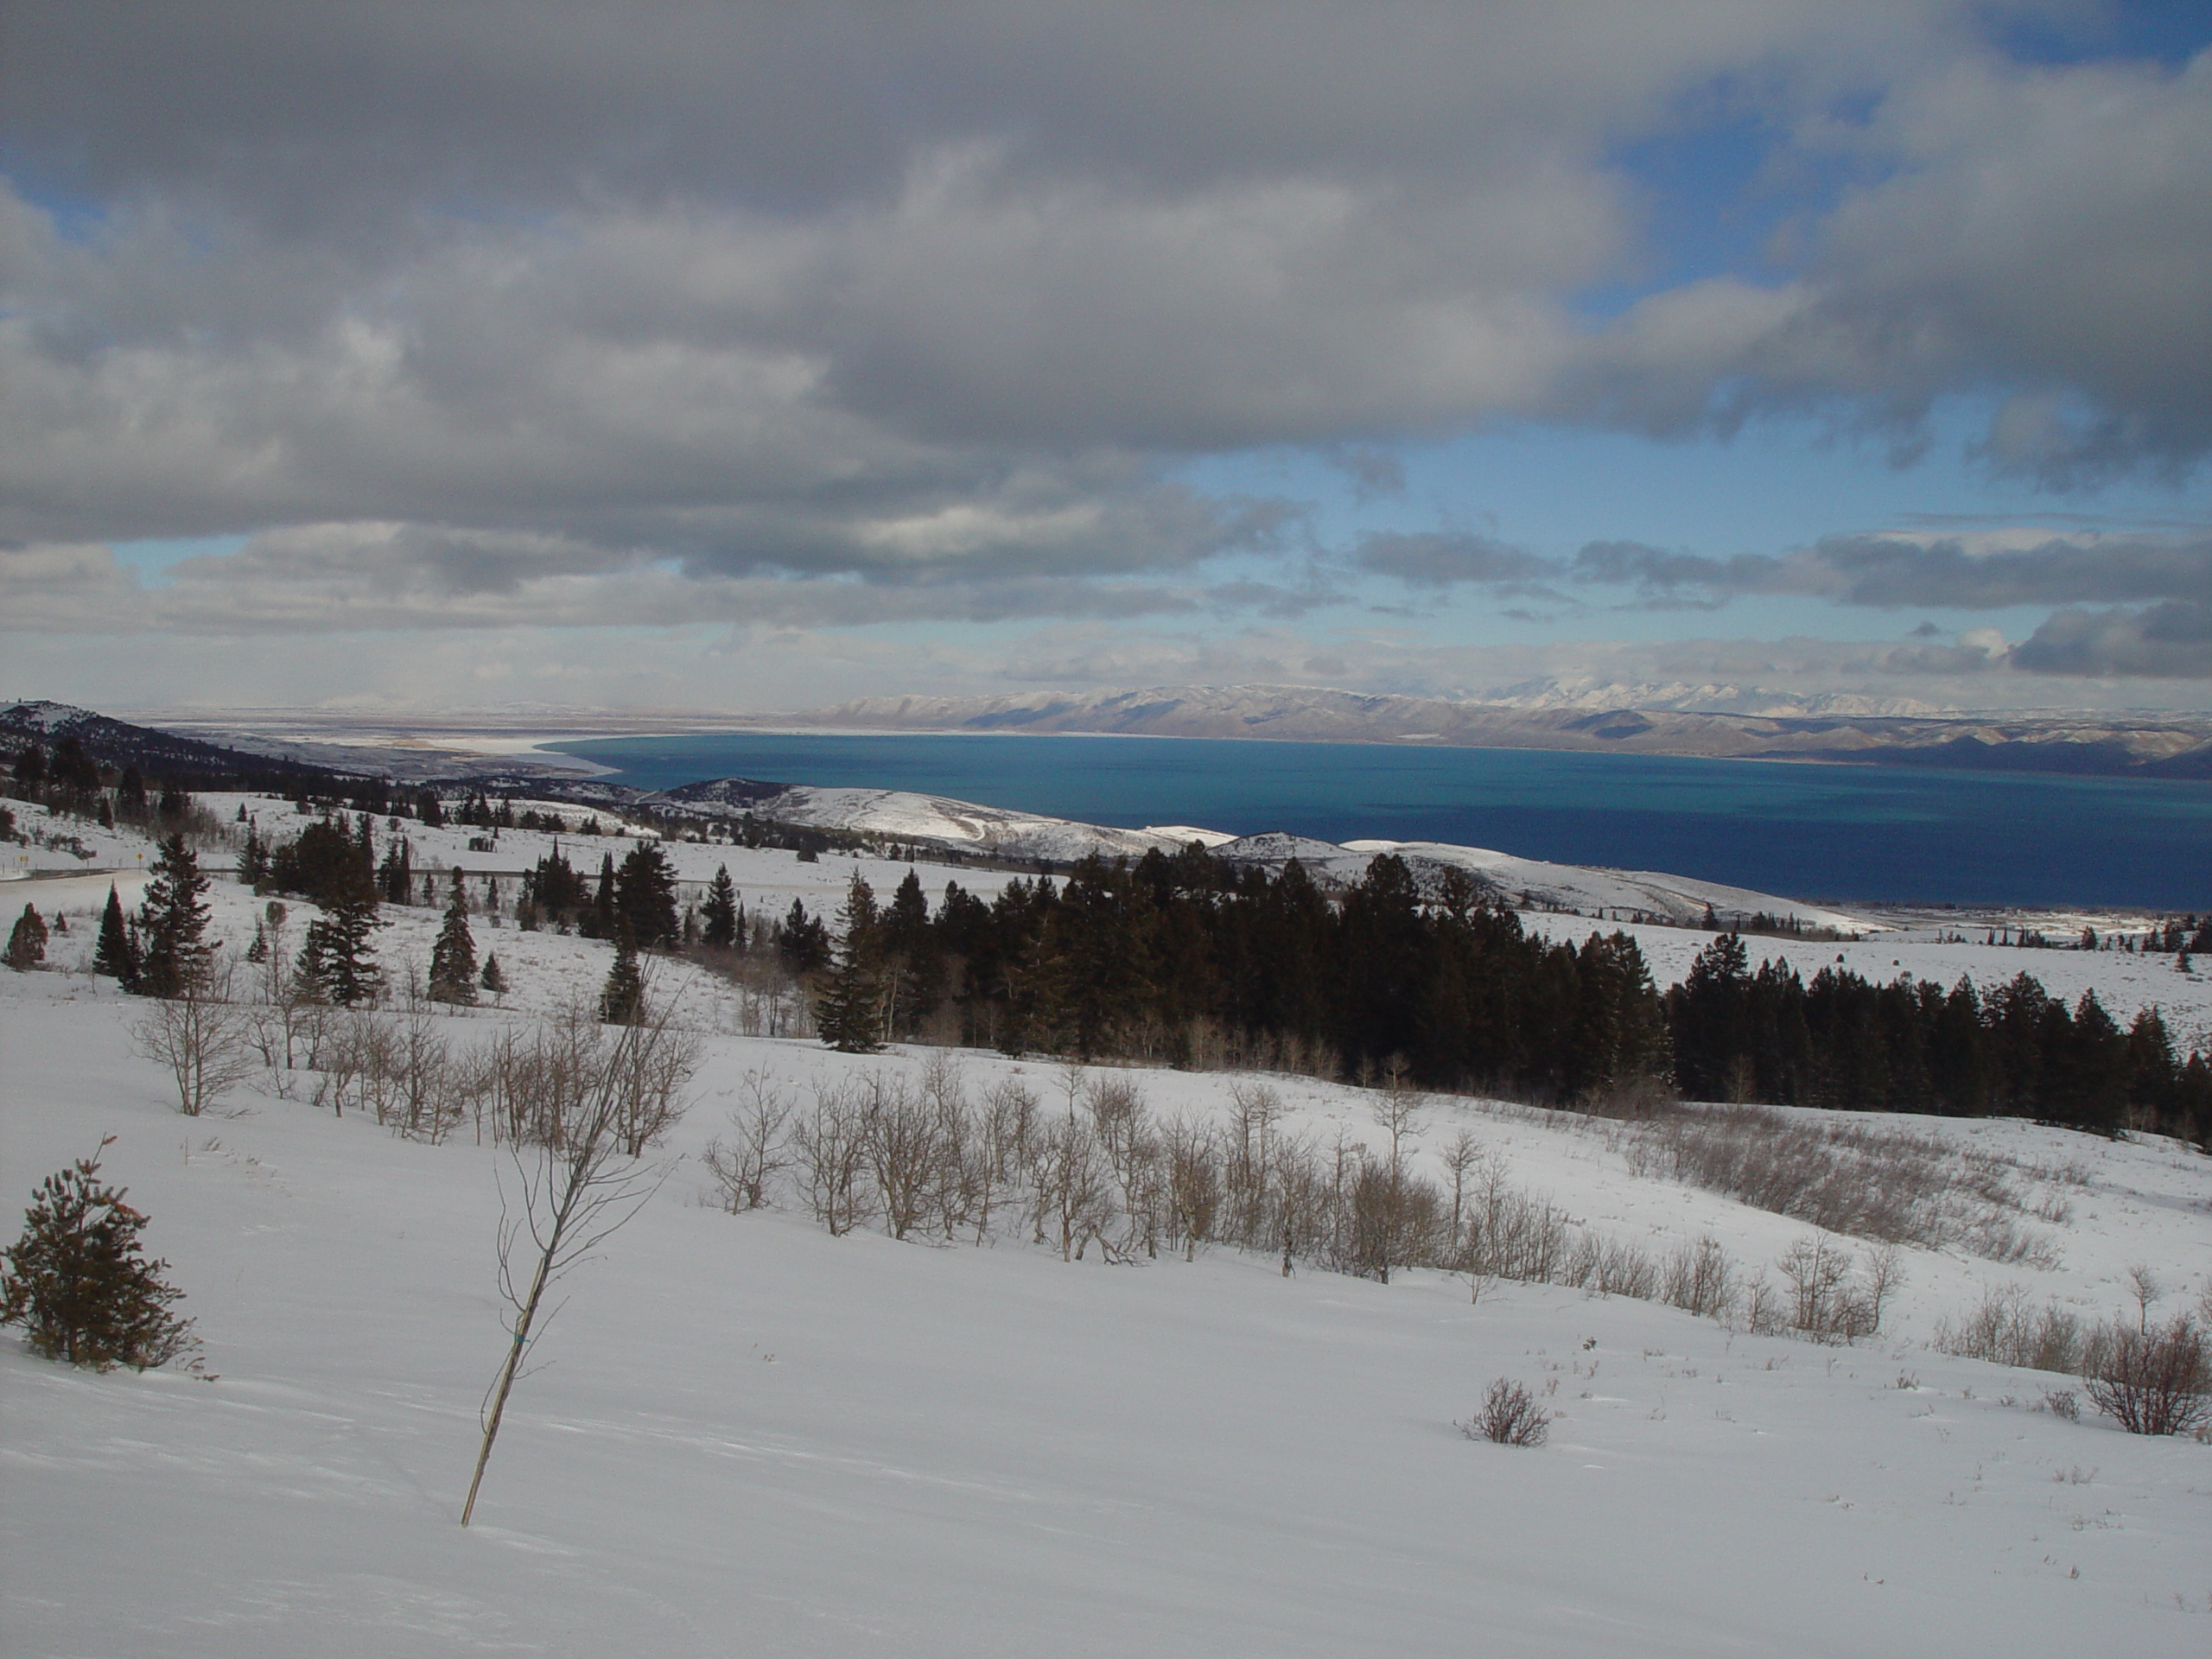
[1782,483]
[2165,31]
[1712,195]
[154,560]
[78,216]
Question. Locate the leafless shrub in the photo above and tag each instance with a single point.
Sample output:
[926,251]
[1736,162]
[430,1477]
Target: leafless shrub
[900,1145]
[1701,1278]
[1193,1189]
[1849,1179]
[2062,1402]
[650,1079]
[525,1085]
[1511,1235]
[1765,1309]
[426,1100]
[1072,1182]
[204,1045]
[2153,1380]
[1256,1108]
[830,1145]
[2003,1329]
[1829,1299]
[1509,1416]
[746,1165]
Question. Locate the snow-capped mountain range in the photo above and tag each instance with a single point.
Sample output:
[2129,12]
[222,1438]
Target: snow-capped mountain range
[1712,719]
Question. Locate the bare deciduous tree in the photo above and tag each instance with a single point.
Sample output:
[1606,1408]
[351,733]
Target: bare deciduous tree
[203,1043]
[576,1186]
[756,1153]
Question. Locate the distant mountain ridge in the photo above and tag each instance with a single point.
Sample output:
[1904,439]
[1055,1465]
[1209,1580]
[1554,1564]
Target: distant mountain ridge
[162,757]
[1589,720]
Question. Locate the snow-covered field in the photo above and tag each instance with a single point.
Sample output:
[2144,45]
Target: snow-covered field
[745,1435]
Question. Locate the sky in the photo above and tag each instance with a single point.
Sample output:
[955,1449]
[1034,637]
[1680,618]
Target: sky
[733,358]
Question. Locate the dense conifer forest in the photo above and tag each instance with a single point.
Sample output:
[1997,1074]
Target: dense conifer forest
[1189,961]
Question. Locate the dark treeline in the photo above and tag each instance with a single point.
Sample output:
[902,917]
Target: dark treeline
[1192,961]
[1911,1046]
[1189,961]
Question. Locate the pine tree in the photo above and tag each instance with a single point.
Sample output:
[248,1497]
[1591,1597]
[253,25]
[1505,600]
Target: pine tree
[253,859]
[493,980]
[396,875]
[622,1002]
[849,1013]
[173,920]
[336,957]
[644,895]
[719,914]
[116,955]
[27,942]
[803,942]
[77,1280]
[453,958]
[603,907]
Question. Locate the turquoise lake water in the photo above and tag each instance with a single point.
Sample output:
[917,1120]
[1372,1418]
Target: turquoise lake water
[1805,831]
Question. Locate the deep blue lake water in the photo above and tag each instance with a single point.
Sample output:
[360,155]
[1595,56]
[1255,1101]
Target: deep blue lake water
[1805,831]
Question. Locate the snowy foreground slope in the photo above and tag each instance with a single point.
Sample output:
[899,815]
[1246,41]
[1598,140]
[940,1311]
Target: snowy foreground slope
[748,1437]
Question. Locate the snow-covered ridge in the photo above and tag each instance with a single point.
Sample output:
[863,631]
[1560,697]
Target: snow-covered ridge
[933,820]
[899,816]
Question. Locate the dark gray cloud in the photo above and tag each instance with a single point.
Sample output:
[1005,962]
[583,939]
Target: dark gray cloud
[1894,572]
[2169,641]
[1446,558]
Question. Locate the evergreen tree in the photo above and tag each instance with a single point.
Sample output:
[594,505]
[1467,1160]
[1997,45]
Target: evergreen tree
[396,875]
[337,956]
[253,858]
[493,980]
[622,1001]
[322,863]
[77,1280]
[453,958]
[603,907]
[718,916]
[644,895]
[1710,1013]
[804,943]
[173,922]
[130,794]
[30,772]
[27,941]
[848,1012]
[116,954]
[72,770]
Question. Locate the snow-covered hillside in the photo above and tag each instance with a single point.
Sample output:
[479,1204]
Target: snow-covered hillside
[745,1434]
[903,816]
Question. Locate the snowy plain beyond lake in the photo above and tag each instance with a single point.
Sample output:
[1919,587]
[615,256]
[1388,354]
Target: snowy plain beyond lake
[746,1436]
